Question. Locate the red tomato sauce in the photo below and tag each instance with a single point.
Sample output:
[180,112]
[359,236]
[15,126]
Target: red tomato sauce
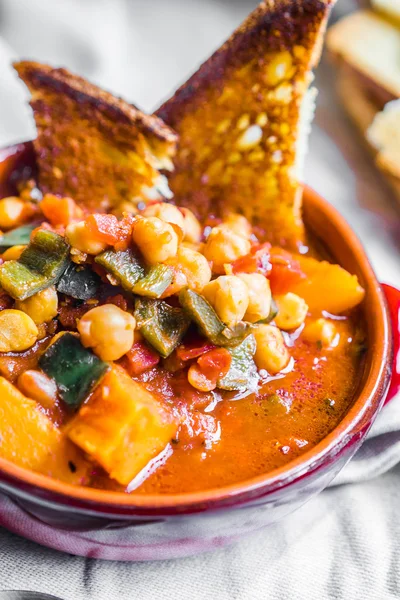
[226,439]
[223,437]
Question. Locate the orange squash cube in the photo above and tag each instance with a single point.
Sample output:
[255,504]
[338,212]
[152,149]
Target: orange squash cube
[327,286]
[122,426]
[29,439]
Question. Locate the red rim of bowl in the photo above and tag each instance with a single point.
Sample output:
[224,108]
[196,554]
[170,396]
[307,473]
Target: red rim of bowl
[368,401]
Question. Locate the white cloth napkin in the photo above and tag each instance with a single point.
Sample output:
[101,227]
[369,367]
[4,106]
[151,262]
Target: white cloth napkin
[344,544]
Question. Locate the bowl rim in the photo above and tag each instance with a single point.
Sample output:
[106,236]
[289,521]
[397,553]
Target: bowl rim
[369,399]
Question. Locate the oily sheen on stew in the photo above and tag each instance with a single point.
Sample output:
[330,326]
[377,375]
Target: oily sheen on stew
[155,353]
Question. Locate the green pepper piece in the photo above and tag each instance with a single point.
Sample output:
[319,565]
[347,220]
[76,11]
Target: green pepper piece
[155,282]
[79,282]
[74,368]
[19,281]
[46,254]
[124,265]
[17,237]
[127,268]
[40,265]
[162,325]
[242,374]
[209,323]
[202,314]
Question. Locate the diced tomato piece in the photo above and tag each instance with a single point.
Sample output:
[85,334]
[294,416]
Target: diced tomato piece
[5,301]
[257,261]
[104,227]
[194,349]
[125,232]
[70,315]
[60,211]
[139,359]
[118,300]
[107,229]
[100,271]
[285,271]
[215,363]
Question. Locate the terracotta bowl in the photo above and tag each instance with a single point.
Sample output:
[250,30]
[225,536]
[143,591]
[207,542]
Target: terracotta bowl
[118,526]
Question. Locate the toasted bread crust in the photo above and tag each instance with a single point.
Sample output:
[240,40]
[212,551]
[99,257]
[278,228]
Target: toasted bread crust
[370,44]
[362,110]
[378,94]
[90,145]
[359,106]
[77,88]
[257,78]
[386,8]
[274,26]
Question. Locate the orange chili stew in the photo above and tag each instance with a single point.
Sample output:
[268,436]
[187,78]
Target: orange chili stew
[146,351]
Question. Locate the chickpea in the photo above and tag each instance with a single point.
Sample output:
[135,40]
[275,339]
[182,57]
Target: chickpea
[11,212]
[320,330]
[39,387]
[229,296]
[17,331]
[42,330]
[191,227]
[271,354]
[292,311]
[41,307]
[108,330]
[199,381]
[194,266]
[238,224]
[166,212]
[157,240]
[13,253]
[259,296]
[224,246]
[125,207]
[81,238]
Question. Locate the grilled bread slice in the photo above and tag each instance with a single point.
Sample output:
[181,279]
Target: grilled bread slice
[388,8]
[370,45]
[239,116]
[367,46]
[91,146]
[380,129]
[356,100]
